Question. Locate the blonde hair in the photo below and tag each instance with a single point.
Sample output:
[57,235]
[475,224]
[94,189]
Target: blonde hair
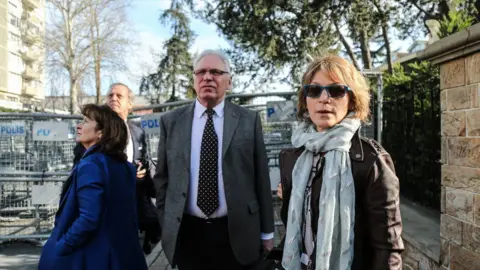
[341,71]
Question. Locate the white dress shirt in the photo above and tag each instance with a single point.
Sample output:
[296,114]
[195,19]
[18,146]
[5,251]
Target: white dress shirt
[129,149]
[198,125]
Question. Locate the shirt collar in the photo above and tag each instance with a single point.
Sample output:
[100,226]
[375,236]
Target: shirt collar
[200,109]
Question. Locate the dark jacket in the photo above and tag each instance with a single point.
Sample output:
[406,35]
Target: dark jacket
[378,224]
[147,213]
[95,225]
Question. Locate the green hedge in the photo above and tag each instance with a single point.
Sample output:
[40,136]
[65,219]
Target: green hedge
[2,109]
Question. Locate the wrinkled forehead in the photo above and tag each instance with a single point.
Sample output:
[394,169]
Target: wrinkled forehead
[211,61]
[118,90]
[326,76]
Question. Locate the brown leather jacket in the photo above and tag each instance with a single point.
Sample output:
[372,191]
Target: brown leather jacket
[378,224]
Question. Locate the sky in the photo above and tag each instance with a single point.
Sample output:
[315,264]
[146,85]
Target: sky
[150,36]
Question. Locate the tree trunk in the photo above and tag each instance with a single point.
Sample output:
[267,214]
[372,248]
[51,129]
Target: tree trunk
[385,18]
[172,97]
[73,96]
[94,35]
[443,8]
[365,48]
[387,47]
[347,46]
[97,79]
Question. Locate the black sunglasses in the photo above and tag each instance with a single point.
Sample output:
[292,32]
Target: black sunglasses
[333,91]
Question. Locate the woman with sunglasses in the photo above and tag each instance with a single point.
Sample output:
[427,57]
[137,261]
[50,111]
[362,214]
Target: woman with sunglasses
[340,192]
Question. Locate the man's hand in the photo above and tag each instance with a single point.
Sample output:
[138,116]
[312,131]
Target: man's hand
[279,191]
[141,172]
[267,245]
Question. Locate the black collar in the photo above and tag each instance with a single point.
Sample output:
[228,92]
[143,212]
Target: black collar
[356,150]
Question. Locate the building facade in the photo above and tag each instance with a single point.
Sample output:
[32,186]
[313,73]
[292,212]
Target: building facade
[22,28]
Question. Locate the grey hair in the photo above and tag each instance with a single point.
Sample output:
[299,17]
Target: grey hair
[218,53]
[131,95]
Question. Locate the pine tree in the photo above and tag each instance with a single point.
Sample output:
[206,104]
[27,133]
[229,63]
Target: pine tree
[270,37]
[173,78]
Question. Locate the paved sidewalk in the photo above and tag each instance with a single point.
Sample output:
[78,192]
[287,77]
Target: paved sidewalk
[25,256]
[19,256]
[157,260]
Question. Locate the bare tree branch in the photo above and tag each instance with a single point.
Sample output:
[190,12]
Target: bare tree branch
[69,41]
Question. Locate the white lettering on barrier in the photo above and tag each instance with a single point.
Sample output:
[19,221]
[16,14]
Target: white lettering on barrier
[50,131]
[12,129]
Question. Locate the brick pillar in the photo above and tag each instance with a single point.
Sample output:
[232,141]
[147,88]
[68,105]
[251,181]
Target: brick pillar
[460,206]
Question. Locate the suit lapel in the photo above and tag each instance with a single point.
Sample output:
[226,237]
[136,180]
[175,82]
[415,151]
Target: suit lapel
[133,136]
[185,131]
[229,125]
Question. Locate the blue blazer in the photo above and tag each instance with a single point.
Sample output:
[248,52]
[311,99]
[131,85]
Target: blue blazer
[96,223]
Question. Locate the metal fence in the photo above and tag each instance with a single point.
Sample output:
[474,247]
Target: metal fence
[31,169]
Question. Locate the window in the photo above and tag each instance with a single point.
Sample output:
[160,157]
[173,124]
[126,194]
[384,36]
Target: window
[14,20]
[15,39]
[15,62]
[37,84]
[14,82]
[14,99]
[34,84]
[32,27]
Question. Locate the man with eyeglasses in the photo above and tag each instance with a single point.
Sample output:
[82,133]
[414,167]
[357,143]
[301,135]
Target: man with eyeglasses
[213,188]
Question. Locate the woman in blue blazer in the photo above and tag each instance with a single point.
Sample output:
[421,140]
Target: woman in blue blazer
[96,225]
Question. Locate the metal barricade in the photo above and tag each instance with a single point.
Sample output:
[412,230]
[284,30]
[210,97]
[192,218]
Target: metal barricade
[27,164]
[22,216]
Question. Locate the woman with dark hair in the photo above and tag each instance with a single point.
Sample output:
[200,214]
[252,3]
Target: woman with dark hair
[96,222]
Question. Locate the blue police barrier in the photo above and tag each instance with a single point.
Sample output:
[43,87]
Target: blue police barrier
[150,123]
[45,132]
[12,130]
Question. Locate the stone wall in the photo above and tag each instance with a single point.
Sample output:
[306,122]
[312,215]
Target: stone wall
[415,259]
[460,206]
[459,58]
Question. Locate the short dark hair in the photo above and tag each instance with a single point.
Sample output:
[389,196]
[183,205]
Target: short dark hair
[114,138]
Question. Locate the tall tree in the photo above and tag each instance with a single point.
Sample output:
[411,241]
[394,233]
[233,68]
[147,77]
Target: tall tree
[384,9]
[173,76]
[81,34]
[414,14]
[109,37]
[272,37]
[362,29]
[349,50]
[67,42]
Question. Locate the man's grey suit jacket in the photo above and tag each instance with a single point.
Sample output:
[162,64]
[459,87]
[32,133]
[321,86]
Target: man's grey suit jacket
[245,175]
